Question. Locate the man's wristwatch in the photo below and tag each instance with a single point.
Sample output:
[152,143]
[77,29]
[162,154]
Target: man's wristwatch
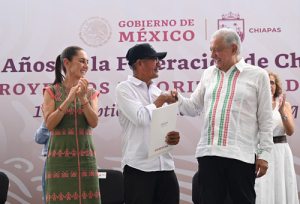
[285,117]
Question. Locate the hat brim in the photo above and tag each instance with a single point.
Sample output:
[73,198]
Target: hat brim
[160,55]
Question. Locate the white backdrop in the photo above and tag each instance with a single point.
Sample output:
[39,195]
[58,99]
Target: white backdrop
[33,33]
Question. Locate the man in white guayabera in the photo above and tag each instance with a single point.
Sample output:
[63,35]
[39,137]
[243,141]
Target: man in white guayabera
[153,180]
[236,102]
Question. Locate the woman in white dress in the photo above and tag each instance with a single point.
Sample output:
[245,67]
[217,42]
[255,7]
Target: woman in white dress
[279,185]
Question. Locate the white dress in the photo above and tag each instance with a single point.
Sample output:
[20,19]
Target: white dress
[279,185]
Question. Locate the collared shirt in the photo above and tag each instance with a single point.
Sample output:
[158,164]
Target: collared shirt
[135,106]
[42,136]
[237,110]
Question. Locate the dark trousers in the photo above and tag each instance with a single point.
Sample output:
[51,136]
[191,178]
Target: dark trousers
[159,187]
[217,174]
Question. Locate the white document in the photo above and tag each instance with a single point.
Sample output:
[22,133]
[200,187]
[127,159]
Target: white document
[163,121]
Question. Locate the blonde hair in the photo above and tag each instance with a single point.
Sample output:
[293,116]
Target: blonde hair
[278,83]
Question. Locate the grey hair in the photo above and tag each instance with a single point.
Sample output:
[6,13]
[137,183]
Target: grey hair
[230,37]
[133,66]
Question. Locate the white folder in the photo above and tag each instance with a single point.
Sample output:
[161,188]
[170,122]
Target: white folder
[163,121]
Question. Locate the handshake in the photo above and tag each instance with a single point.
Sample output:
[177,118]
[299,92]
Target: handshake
[169,96]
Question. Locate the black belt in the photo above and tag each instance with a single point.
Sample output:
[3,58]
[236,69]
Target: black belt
[279,139]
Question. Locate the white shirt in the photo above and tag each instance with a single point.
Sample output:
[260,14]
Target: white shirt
[135,106]
[237,106]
